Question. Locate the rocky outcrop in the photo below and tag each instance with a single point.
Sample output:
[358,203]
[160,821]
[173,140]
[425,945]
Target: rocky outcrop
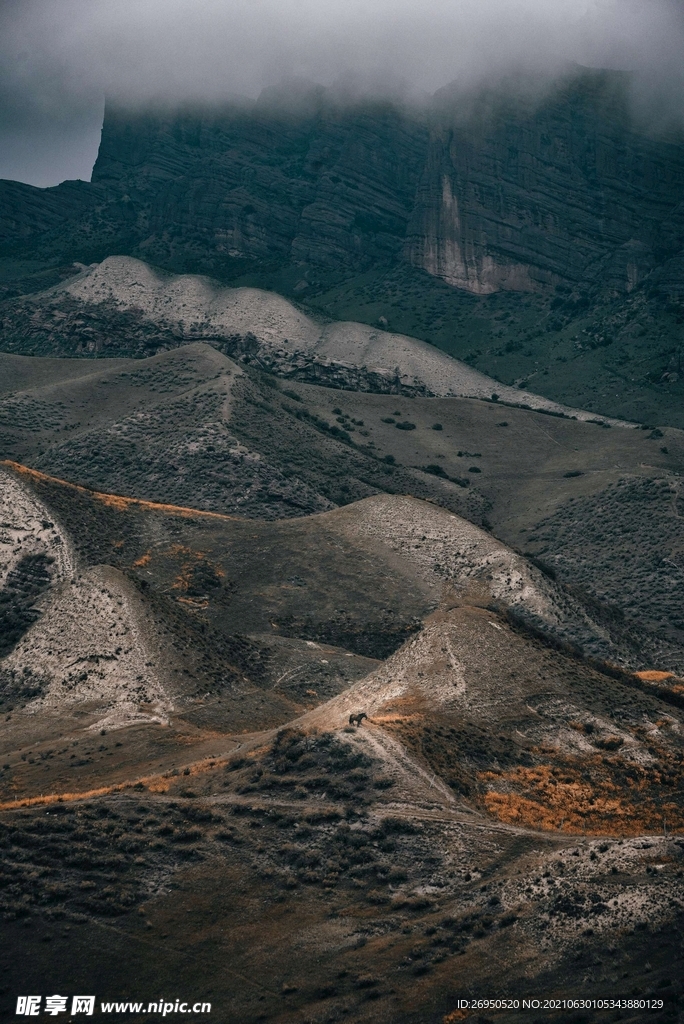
[329,185]
[520,196]
[504,195]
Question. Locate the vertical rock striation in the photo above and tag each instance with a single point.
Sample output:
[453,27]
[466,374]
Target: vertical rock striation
[520,195]
[487,192]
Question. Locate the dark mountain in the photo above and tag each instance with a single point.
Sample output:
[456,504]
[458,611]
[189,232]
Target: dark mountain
[490,194]
[567,190]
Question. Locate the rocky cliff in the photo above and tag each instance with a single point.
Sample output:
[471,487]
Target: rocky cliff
[333,186]
[489,195]
[518,196]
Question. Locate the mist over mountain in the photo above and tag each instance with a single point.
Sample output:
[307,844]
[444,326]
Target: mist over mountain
[57,61]
[501,192]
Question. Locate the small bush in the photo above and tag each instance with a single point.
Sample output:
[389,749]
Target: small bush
[437,426]
[384,782]
[397,874]
[394,823]
[610,743]
[405,425]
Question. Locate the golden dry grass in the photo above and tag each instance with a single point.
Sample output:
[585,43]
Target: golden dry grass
[117,501]
[159,783]
[652,675]
[585,796]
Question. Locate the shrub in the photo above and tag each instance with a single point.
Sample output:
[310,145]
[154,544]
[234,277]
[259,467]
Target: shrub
[384,782]
[405,425]
[397,874]
[436,426]
[396,824]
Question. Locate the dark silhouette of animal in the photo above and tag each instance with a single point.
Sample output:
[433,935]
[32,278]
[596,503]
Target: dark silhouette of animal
[357,719]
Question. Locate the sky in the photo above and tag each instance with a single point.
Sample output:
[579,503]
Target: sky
[60,58]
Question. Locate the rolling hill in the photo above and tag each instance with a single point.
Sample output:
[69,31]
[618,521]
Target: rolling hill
[176,713]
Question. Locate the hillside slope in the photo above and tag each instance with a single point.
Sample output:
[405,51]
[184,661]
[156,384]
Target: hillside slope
[251,324]
[193,772]
[600,508]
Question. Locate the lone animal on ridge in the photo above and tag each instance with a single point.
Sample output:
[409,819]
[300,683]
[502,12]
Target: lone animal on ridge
[357,719]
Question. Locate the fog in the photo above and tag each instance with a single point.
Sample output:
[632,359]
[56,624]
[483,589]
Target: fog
[59,59]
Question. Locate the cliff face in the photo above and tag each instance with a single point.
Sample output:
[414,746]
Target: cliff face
[566,191]
[507,196]
[331,187]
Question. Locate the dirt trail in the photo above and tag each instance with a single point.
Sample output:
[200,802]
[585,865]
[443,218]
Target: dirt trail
[424,796]
[160,784]
[398,764]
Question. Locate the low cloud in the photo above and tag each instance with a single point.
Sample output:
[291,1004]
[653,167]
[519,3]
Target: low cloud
[58,60]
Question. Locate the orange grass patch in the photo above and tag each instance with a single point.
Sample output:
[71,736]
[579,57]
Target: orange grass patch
[193,602]
[181,549]
[583,797]
[153,783]
[117,501]
[652,675]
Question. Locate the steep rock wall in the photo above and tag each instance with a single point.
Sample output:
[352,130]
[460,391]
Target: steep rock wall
[520,196]
[487,194]
[333,187]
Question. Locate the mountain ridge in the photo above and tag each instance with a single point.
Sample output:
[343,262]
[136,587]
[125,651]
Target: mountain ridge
[485,192]
[255,325]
